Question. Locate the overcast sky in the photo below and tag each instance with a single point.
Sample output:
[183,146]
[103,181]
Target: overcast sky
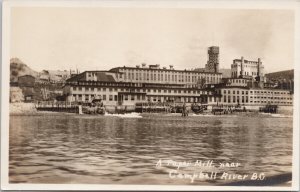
[102,38]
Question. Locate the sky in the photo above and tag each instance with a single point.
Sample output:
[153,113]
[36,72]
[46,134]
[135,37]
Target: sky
[95,38]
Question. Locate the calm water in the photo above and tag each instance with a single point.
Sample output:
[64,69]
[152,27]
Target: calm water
[60,148]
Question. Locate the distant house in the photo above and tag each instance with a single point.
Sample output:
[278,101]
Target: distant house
[44,78]
[29,94]
[26,81]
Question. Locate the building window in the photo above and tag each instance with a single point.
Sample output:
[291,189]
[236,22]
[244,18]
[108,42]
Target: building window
[104,97]
[110,97]
[126,97]
[132,97]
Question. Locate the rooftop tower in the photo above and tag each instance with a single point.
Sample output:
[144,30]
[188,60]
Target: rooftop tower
[213,60]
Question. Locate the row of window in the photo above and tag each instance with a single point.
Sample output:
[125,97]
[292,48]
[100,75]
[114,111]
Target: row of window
[87,97]
[270,92]
[227,99]
[169,78]
[274,102]
[139,90]
[233,92]
[235,73]
[237,80]
[253,64]
[173,72]
[287,98]
[256,92]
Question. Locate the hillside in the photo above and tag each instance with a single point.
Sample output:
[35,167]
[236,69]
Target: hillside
[18,68]
[281,75]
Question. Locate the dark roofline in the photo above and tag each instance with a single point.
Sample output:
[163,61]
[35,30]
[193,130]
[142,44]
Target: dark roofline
[102,71]
[26,75]
[227,78]
[163,70]
[245,60]
[239,87]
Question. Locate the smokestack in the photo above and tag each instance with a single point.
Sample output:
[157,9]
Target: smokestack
[258,78]
[242,66]
[258,67]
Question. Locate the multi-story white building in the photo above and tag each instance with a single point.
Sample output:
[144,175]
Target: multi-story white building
[254,96]
[155,74]
[242,68]
[91,85]
[130,85]
[246,87]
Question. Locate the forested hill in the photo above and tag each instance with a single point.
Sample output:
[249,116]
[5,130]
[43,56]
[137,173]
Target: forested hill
[280,75]
[18,68]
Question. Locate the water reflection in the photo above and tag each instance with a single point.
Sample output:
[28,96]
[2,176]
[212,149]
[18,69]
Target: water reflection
[97,149]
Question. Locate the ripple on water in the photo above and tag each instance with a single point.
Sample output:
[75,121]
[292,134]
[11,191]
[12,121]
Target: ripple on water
[109,149]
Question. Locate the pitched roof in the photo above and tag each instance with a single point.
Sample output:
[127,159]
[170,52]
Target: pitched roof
[105,77]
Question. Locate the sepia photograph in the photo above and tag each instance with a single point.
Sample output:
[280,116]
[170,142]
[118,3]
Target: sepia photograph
[159,95]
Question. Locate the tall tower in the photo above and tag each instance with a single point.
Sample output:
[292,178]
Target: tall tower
[242,68]
[213,60]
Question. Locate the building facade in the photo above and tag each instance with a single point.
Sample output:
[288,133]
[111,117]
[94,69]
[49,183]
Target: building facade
[255,96]
[155,74]
[242,68]
[91,85]
[131,85]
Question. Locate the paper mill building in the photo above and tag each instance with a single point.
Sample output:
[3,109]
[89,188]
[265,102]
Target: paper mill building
[153,83]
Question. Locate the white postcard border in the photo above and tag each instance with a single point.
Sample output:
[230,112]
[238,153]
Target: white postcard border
[271,4]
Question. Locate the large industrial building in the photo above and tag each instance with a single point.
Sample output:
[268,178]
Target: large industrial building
[153,83]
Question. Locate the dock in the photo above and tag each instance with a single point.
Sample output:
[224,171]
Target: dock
[59,106]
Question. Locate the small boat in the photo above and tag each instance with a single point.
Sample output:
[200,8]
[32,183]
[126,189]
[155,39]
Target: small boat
[269,109]
[94,107]
[198,108]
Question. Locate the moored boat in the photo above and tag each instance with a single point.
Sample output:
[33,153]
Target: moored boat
[94,107]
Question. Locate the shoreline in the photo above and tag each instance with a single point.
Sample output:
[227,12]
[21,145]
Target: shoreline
[24,109]
[143,115]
